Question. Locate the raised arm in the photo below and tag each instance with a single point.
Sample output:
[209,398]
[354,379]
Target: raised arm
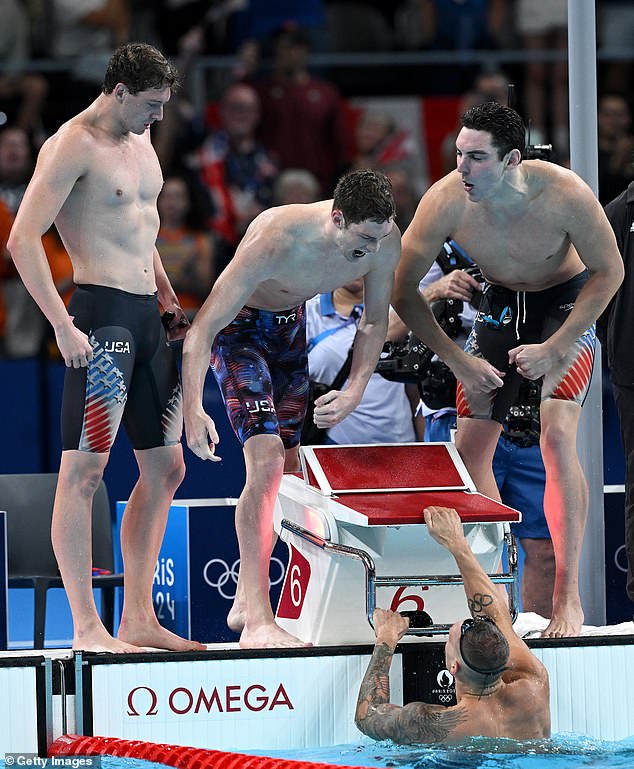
[416,722]
[483,597]
[61,162]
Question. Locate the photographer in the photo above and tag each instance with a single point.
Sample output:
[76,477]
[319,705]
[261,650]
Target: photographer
[386,411]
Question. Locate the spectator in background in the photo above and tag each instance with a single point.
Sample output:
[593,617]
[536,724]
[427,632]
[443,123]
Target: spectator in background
[488,85]
[16,165]
[84,35]
[406,196]
[542,25]
[386,411]
[295,185]
[616,145]
[452,25]
[615,31]
[22,94]
[6,265]
[258,20]
[24,326]
[235,167]
[303,116]
[382,144]
[187,249]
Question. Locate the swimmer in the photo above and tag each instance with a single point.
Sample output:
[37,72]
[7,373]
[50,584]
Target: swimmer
[253,321]
[502,689]
[551,264]
[98,179]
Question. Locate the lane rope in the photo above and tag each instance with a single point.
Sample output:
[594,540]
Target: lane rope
[175,755]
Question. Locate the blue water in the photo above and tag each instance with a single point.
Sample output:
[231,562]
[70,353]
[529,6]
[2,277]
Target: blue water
[561,752]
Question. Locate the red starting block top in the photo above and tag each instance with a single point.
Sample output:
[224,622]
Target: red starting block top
[396,507]
[384,467]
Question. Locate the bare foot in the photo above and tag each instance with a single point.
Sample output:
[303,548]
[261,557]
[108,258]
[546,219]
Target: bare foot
[269,636]
[157,637]
[236,619]
[565,623]
[99,640]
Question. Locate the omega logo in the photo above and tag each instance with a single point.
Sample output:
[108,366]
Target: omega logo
[144,701]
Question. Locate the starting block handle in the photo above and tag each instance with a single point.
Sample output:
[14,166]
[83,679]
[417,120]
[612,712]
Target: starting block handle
[372,581]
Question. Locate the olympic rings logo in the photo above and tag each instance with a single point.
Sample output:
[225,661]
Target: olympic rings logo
[224,578]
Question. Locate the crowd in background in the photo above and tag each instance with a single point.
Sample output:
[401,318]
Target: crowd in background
[277,121]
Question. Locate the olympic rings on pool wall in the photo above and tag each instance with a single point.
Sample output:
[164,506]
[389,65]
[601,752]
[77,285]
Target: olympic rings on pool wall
[174,755]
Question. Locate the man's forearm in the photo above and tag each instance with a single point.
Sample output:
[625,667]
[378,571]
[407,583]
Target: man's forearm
[482,595]
[34,270]
[367,347]
[196,354]
[593,298]
[375,687]
[417,314]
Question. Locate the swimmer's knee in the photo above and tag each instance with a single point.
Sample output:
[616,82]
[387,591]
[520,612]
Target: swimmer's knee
[266,450]
[559,427]
[82,481]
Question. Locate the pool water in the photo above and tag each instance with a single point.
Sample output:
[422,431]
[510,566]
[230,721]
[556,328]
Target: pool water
[560,752]
[567,751]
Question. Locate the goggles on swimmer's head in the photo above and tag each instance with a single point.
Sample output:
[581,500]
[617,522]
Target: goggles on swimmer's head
[466,626]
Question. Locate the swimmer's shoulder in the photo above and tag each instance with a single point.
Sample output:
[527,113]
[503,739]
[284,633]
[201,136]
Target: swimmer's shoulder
[442,204]
[554,178]
[284,225]
[76,137]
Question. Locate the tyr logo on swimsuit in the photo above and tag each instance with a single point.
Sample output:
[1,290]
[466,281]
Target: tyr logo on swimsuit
[282,320]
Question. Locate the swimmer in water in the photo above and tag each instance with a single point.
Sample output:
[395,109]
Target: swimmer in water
[502,689]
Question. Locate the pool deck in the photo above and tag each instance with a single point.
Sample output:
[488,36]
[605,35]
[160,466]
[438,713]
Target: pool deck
[227,698]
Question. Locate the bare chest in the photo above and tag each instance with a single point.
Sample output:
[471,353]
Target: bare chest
[121,176]
[524,250]
[302,281]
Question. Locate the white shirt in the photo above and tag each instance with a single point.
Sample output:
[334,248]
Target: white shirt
[385,413]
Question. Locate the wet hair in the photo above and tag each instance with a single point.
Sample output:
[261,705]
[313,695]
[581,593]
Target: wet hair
[140,67]
[505,125]
[483,647]
[364,195]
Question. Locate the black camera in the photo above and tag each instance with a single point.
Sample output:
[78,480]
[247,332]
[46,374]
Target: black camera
[538,152]
[522,425]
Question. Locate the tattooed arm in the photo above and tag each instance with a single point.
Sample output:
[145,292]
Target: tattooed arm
[483,596]
[375,716]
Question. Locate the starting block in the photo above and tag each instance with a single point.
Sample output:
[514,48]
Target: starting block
[353,522]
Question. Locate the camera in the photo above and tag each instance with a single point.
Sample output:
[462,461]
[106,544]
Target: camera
[538,152]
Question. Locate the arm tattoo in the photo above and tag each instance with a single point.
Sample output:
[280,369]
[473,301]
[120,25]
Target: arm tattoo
[374,694]
[375,687]
[414,723]
[478,602]
[423,723]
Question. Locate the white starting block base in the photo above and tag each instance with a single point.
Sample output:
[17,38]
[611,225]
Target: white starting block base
[338,543]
